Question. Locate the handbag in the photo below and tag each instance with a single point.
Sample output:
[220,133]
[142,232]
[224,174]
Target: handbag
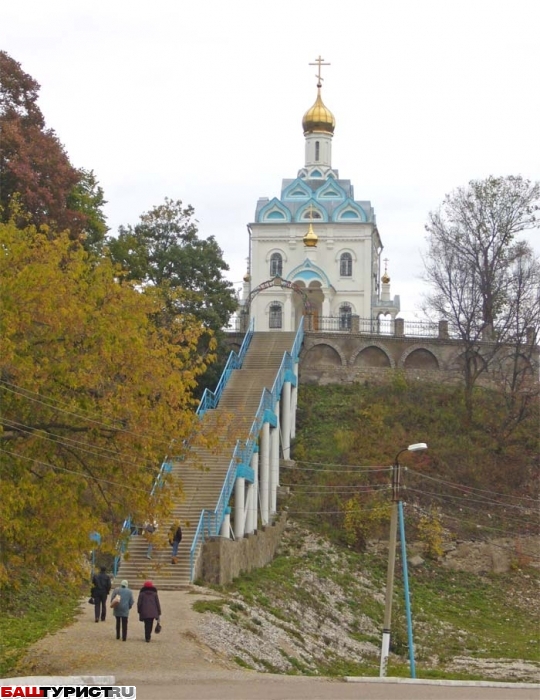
[91,601]
[158,628]
[115,602]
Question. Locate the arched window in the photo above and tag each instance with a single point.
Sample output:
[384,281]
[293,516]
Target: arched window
[317,150]
[276,315]
[345,313]
[276,265]
[345,265]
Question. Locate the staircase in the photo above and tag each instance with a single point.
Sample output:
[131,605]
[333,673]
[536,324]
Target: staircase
[203,470]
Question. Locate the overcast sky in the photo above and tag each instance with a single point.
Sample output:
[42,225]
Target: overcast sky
[202,101]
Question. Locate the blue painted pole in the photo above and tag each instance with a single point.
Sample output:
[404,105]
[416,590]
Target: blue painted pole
[406,586]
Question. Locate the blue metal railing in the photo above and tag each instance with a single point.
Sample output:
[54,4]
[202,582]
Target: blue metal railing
[122,543]
[210,521]
[210,399]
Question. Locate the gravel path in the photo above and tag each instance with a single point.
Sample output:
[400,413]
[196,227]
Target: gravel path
[87,648]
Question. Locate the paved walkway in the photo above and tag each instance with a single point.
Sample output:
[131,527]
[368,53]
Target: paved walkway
[87,648]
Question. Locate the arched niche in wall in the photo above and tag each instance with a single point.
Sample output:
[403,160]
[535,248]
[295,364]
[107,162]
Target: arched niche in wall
[323,354]
[420,358]
[372,356]
[476,360]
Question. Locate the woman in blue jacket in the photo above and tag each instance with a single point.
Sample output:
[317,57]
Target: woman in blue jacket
[121,611]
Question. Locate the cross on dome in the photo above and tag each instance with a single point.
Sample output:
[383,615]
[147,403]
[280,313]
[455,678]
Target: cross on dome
[319,119]
[319,62]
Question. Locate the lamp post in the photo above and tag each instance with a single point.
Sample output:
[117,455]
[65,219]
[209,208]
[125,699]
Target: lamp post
[396,478]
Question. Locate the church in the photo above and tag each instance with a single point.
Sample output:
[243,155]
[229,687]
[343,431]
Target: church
[315,250]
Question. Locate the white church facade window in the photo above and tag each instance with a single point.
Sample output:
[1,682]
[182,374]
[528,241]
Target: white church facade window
[345,265]
[276,265]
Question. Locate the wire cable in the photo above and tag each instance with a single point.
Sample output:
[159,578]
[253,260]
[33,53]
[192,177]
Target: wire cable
[466,488]
[70,442]
[442,497]
[467,500]
[310,488]
[350,470]
[88,477]
[48,404]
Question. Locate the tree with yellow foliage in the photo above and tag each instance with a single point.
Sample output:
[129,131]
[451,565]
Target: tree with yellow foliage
[92,392]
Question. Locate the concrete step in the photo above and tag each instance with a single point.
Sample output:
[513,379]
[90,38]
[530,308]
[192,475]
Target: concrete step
[203,470]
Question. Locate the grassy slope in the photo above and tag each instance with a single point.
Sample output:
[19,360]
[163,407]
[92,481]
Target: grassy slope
[28,616]
[456,614]
[324,606]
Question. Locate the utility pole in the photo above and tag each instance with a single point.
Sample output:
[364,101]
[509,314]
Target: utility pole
[385,647]
[396,482]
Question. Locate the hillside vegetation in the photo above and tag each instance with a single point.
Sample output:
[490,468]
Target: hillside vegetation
[477,478]
[318,608]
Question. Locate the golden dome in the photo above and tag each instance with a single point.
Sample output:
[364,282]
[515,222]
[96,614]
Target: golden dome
[318,118]
[311,239]
[385,278]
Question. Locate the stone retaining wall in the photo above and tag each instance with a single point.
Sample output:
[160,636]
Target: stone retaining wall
[222,560]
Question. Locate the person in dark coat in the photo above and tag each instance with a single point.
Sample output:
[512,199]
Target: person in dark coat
[101,587]
[148,607]
[121,611]
[175,537]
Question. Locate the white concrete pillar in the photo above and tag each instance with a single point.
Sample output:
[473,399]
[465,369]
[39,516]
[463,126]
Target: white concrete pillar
[274,462]
[226,526]
[286,420]
[254,490]
[239,513]
[265,472]
[248,529]
[294,402]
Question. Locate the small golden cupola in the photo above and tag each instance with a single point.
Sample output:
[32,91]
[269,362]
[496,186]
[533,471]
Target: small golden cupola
[385,279]
[310,239]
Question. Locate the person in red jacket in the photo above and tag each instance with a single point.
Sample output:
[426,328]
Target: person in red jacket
[148,607]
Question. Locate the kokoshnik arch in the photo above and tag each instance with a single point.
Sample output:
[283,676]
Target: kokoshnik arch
[315,238]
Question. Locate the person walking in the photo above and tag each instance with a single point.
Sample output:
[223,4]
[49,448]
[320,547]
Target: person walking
[101,587]
[121,611]
[175,537]
[148,607]
[149,531]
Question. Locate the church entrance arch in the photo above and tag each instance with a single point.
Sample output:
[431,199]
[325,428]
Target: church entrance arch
[291,310]
[283,284]
[315,296]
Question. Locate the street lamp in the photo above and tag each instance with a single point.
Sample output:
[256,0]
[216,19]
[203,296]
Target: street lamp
[385,645]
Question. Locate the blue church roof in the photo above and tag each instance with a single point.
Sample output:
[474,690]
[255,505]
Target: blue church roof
[328,200]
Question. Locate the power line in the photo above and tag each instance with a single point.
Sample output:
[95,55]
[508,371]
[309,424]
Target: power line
[310,488]
[88,477]
[468,500]
[453,484]
[444,496]
[350,470]
[70,442]
[486,527]
[48,403]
